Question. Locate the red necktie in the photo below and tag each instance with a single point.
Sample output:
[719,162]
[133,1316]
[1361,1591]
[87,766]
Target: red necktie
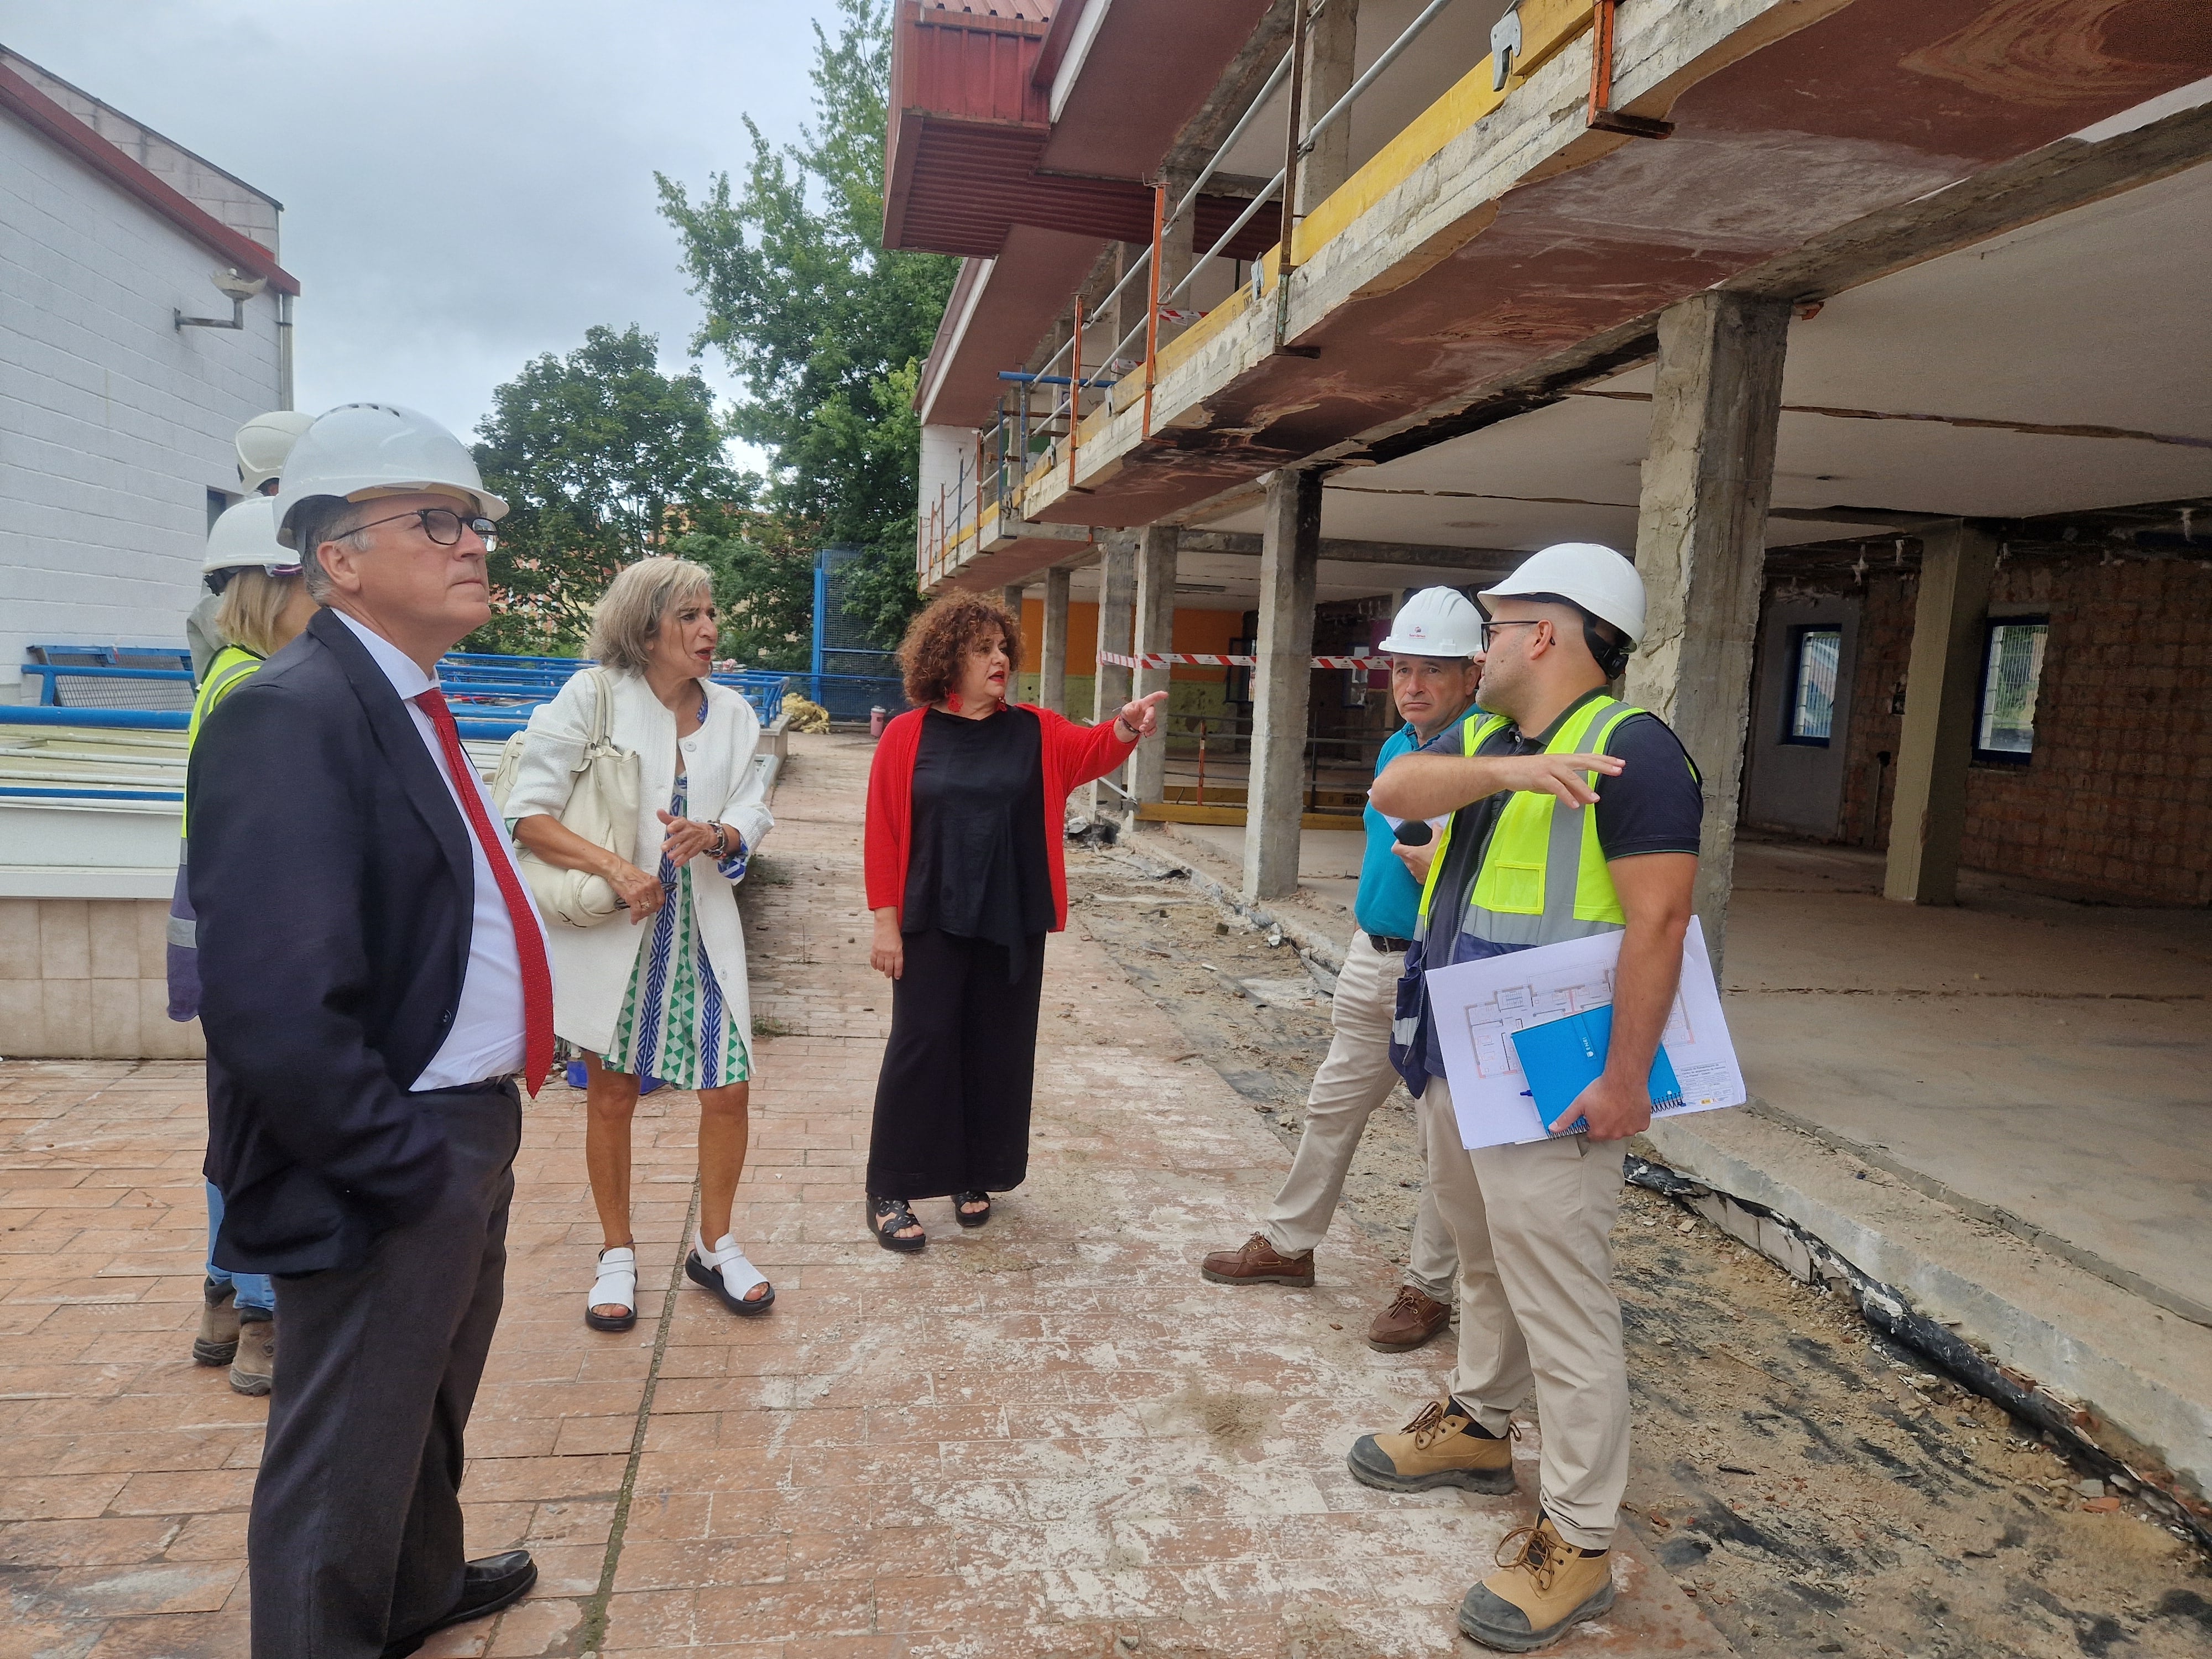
[529,942]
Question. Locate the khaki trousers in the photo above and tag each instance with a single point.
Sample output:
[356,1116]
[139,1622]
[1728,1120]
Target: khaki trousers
[1354,1078]
[1532,1225]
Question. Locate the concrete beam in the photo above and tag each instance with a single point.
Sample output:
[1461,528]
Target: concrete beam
[1701,549]
[1156,582]
[1052,652]
[1474,561]
[1109,686]
[1282,683]
[1927,815]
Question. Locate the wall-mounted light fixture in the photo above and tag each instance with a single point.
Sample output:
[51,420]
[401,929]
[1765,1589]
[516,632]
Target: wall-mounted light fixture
[233,287]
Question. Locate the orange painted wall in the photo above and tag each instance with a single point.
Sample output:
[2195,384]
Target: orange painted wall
[1200,632]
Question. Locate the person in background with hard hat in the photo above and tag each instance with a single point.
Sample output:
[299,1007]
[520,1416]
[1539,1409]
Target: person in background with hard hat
[262,606]
[262,444]
[374,981]
[1435,648]
[1572,815]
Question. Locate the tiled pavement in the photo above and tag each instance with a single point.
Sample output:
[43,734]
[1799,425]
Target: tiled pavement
[1048,1437]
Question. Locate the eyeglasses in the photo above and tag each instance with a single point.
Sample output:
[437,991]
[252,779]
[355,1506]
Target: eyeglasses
[442,524]
[1490,628]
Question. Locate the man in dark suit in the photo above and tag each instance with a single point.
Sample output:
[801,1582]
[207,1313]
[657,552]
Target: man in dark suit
[375,983]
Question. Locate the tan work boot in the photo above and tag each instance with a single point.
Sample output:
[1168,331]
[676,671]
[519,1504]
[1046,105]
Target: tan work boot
[218,1334]
[1413,1317]
[1543,1585]
[1257,1263]
[1442,1447]
[255,1367]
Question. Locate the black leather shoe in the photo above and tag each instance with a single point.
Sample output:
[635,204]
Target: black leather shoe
[487,1586]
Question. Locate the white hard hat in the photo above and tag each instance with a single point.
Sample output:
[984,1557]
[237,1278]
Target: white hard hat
[1593,577]
[265,441]
[246,535]
[359,449]
[1436,622]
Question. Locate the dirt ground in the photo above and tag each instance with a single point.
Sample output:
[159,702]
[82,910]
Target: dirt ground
[1815,1486]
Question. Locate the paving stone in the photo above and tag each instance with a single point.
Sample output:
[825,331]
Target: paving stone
[1029,1441]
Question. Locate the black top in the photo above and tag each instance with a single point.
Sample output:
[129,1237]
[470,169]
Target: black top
[976,864]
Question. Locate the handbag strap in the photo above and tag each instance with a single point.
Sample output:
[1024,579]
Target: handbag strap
[602,715]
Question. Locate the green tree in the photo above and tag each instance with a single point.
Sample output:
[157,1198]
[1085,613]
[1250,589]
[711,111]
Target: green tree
[603,460]
[824,327]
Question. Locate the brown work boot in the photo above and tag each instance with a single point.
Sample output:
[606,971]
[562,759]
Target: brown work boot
[1257,1263]
[217,1340]
[1411,1319]
[1442,1447]
[255,1367]
[1542,1586]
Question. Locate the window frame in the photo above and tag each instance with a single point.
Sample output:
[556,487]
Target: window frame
[2015,758]
[1798,634]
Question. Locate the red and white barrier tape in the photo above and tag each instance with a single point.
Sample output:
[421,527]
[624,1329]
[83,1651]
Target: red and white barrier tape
[1200,660]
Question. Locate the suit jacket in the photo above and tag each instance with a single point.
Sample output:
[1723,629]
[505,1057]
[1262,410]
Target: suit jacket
[334,883]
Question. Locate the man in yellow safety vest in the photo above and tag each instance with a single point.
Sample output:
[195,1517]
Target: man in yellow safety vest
[1572,814]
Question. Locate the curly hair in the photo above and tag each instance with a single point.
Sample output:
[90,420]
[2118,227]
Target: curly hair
[936,639]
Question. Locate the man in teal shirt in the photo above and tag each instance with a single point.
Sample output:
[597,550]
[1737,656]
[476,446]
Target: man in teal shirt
[1436,662]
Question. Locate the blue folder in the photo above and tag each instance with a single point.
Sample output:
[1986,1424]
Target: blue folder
[1563,1057]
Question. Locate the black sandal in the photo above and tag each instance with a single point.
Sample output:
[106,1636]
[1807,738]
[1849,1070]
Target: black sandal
[965,1217]
[887,1216]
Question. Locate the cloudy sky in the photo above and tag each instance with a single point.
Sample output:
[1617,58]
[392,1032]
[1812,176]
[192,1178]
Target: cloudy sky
[466,183]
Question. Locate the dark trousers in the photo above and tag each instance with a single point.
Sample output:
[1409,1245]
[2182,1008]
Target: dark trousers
[952,1100]
[355,1537]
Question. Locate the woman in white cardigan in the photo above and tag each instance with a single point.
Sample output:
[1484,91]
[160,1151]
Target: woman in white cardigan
[663,993]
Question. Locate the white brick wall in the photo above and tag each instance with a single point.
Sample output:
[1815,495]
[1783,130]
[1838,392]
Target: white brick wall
[114,424]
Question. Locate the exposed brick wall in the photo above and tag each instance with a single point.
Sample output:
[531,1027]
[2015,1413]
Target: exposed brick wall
[1885,646]
[2118,800]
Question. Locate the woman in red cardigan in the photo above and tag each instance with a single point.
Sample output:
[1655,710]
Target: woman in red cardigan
[966,877]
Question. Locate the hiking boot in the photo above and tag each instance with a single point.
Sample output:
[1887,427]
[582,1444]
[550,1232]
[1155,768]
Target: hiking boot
[218,1336]
[1442,1447]
[255,1367]
[1543,1585]
[1257,1263]
[1411,1319]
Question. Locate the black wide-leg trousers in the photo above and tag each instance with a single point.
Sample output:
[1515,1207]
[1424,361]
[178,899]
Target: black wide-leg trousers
[356,1535]
[953,1101]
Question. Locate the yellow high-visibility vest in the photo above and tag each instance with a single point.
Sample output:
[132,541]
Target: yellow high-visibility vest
[1543,878]
[232,666]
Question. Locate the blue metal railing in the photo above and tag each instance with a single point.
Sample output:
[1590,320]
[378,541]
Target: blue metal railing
[471,678]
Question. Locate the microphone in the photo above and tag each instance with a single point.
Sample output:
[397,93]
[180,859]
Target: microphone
[1415,832]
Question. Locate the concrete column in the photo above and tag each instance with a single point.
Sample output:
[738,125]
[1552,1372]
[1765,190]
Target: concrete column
[1282,681]
[1179,251]
[1943,681]
[1130,308]
[1701,549]
[1330,35]
[1117,598]
[1052,652]
[1156,581]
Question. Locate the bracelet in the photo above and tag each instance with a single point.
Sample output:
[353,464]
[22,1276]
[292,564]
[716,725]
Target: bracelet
[720,849]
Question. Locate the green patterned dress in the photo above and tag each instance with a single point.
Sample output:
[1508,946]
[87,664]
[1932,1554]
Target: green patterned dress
[675,1024]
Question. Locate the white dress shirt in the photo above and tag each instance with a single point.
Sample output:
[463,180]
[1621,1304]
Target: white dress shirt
[487,1038]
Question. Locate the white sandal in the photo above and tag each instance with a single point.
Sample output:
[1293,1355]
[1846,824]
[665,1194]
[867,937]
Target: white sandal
[725,1271]
[615,1286]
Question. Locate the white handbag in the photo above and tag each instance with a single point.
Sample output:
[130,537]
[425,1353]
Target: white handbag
[602,807]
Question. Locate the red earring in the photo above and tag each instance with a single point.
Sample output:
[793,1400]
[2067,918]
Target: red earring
[952,700]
